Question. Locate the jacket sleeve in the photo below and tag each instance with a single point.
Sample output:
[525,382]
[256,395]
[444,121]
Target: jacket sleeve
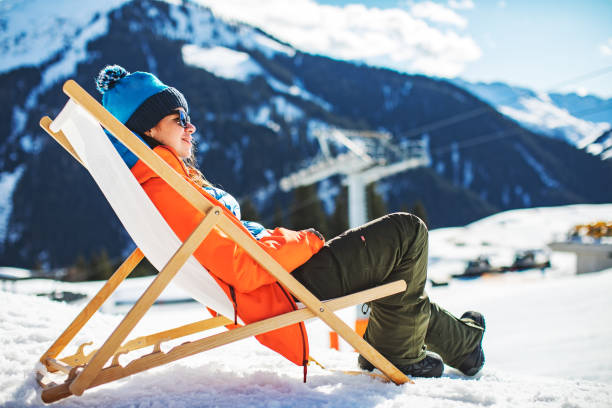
[219,254]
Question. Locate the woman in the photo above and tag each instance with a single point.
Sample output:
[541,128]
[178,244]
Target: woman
[416,335]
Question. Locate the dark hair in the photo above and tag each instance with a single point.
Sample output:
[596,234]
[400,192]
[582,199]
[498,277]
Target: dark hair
[190,162]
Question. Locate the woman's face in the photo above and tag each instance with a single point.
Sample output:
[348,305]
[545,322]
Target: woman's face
[169,132]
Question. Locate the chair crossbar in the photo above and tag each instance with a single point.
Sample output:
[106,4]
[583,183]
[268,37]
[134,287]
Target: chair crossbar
[81,358]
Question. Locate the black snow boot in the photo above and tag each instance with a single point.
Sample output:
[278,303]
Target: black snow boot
[430,366]
[476,359]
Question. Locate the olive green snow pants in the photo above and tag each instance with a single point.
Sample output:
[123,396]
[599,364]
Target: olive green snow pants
[401,326]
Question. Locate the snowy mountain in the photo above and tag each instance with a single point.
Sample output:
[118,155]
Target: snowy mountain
[579,120]
[532,359]
[255,101]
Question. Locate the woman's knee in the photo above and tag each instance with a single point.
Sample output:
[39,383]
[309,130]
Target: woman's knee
[411,224]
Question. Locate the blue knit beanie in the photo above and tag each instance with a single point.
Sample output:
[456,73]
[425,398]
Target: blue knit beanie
[138,100]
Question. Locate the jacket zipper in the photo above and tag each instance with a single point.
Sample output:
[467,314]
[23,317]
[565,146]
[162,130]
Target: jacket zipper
[301,326]
[233,296]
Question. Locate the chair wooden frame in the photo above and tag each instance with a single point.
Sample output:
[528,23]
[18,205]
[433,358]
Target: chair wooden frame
[87,371]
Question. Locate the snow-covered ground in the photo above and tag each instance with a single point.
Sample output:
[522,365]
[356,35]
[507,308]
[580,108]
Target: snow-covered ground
[547,342]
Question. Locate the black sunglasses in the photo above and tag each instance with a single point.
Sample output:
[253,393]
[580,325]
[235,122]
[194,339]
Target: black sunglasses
[183,120]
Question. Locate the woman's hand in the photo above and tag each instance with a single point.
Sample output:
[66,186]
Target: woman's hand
[317,233]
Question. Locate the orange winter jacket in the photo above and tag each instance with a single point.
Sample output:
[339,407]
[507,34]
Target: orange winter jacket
[255,293]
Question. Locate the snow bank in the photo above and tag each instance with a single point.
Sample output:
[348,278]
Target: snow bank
[501,235]
[534,358]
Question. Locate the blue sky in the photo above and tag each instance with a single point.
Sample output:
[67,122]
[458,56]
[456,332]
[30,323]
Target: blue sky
[544,45]
[535,43]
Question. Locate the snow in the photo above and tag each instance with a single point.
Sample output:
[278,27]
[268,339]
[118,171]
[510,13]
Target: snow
[8,182]
[545,178]
[39,29]
[266,45]
[540,114]
[14,273]
[297,89]
[72,29]
[501,235]
[553,115]
[200,28]
[222,62]
[35,31]
[262,115]
[289,111]
[546,344]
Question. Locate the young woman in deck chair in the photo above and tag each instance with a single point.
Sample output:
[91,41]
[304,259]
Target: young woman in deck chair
[414,334]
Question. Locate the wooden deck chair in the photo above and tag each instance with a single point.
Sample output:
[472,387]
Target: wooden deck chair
[79,129]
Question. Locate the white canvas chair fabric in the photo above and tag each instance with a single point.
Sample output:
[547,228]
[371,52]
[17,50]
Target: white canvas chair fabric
[135,210]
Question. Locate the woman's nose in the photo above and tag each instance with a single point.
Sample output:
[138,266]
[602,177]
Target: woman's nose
[190,128]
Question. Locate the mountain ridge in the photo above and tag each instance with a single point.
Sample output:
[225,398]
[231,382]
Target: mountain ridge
[254,130]
[579,120]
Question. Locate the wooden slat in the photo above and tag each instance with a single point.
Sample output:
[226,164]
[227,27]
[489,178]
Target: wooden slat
[146,341]
[184,350]
[58,365]
[59,137]
[94,304]
[143,304]
[310,301]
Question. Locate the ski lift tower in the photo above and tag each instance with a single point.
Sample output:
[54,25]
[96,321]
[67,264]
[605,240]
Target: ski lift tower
[365,157]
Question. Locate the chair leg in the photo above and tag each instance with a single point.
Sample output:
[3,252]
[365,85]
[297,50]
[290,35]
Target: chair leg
[94,304]
[158,358]
[108,349]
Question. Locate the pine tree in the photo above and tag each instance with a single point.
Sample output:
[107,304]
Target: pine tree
[77,272]
[101,266]
[306,210]
[144,268]
[375,203]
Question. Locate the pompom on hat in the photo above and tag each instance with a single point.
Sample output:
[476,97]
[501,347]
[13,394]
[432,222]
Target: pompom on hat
[138,100]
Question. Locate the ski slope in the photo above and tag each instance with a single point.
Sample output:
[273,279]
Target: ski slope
[547,342]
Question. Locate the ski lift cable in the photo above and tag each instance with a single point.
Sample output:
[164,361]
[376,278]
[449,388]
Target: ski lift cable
[468,143]
[496,135]
[489,137]
[484,138]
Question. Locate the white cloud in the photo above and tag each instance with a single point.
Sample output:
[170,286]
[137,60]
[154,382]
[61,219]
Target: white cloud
[437,13]
[501,4]
[461,4]
[606,48]
[393,38]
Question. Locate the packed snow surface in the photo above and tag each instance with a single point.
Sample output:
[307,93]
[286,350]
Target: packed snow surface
[547,342]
